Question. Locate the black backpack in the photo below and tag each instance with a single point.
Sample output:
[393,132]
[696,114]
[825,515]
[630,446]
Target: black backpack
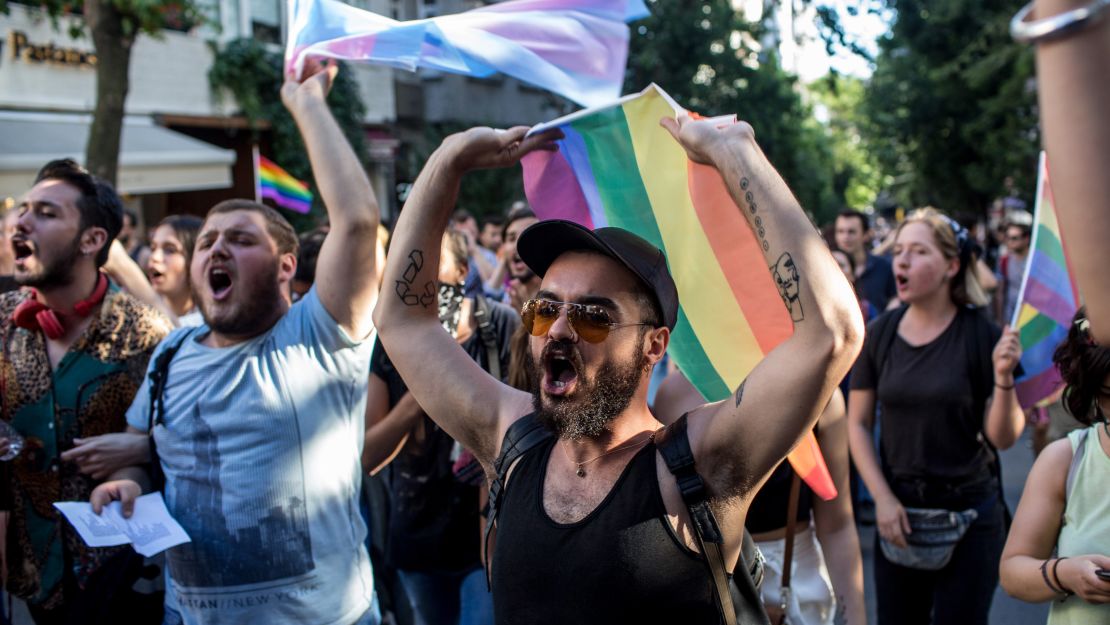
[738,599]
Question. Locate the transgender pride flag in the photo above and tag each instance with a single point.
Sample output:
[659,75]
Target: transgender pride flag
[1047,302]
[576,48]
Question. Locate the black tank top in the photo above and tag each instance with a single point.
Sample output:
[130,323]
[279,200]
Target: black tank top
[623,563]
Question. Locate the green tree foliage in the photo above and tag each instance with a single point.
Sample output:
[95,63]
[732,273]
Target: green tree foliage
[856,174]
[113,26]
[697,52]
[950,107]
[252,74]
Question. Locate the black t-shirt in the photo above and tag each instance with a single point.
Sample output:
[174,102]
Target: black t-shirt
[433,518]
[931,423]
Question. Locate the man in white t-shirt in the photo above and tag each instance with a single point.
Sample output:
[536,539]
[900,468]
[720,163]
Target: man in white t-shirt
[260,425]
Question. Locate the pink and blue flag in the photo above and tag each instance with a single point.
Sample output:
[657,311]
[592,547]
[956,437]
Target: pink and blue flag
[576,48]
[1047,301]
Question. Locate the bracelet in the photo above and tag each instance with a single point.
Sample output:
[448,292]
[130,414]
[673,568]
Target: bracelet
[1005,388]
[1048,582]
[1056,26]
[1056,576]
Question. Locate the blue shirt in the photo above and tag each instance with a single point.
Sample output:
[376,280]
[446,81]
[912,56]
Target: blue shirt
[876,283]
[261,448]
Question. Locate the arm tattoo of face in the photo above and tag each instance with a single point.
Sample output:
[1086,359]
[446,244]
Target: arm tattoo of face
[740,392]
[404,286]
[785,273]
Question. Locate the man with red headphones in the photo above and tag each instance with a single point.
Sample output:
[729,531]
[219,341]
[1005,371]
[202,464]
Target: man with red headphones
[73,351]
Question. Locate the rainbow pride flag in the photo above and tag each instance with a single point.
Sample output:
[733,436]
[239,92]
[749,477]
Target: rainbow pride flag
[576,48]
[618,167]
[1047,301]
[286,191]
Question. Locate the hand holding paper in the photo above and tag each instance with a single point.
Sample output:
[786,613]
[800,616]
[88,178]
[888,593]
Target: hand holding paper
[150,528]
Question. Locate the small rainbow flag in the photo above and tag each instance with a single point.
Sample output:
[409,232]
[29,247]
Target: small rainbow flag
[286,191]
[1047,301]
[617,166]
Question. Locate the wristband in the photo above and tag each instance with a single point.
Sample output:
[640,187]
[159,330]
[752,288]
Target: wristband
[1056,576]
[1048,582]
[1056,26]
[1005,388]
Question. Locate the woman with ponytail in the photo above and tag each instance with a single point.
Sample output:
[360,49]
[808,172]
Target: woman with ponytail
[1065,509]
[943,375]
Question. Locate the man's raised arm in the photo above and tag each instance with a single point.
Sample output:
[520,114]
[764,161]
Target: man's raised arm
[346,279]
[740,440]
[469,404]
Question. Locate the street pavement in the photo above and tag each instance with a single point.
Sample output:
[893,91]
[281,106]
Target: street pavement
[1005,610]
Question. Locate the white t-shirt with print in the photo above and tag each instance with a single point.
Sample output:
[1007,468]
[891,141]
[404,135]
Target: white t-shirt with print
[261,448]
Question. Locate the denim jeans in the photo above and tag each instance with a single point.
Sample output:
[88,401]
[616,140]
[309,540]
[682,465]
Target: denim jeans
[449,598]
[958,594]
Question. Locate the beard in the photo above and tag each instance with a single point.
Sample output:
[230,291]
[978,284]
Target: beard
[253,314]
[595,403]
[57,269]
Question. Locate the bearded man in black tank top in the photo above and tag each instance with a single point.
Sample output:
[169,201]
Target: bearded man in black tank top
[593,528]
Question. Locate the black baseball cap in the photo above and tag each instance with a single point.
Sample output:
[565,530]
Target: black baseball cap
[542,242]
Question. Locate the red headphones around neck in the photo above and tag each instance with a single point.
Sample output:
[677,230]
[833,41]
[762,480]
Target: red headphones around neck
[34,315]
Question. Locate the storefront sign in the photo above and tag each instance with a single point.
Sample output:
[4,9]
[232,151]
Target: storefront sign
[20,48]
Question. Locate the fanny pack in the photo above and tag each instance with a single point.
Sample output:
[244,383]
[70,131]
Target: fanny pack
[933,537]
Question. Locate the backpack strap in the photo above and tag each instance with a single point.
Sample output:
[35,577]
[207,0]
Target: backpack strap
[1076,460]
[159,376]
[885,330]
[522,436]
[488,335]
[673,444]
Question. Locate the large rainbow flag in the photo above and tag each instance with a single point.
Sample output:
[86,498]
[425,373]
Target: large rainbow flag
[576,48]
[617,166]
[278,185]
[1047,301]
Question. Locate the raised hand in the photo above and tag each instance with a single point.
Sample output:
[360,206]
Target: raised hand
[1007,354]
[701,137]
[313,85]
[489,148]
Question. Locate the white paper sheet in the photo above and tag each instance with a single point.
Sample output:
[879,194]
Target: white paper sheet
[150,529]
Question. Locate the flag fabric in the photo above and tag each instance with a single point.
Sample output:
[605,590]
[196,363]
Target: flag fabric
[1047,300]
[286,191]
[576,48]
[618,167]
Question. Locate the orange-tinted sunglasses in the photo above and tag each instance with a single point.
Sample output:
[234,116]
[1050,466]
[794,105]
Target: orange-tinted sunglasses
[590,322]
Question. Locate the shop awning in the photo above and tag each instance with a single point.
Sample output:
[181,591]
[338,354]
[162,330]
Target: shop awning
[152,158]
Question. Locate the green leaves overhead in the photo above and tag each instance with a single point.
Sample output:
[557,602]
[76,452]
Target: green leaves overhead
[951,106]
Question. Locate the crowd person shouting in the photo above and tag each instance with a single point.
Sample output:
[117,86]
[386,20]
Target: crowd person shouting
[171,253]
[874,278]
[257,415]
[1065,508]
[943,374]
[433,527]
[74,347]
[825,583]
[597,497]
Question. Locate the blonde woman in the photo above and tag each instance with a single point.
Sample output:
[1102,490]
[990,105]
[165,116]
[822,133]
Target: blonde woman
[942,373]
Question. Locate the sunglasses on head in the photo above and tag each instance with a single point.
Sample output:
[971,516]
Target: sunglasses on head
[590,322]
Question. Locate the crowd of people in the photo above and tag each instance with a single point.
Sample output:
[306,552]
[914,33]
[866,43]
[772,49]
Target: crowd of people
[337,427]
